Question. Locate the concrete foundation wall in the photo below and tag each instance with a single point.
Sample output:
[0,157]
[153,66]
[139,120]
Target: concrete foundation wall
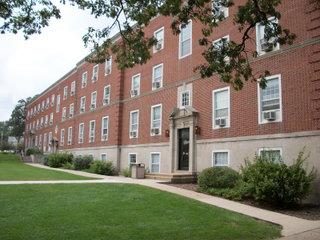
[37,158]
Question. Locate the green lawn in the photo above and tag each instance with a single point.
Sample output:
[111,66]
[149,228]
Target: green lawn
[117,211]
[12,170]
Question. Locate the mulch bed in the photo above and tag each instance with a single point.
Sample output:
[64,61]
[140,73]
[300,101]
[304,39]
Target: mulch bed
[304,211]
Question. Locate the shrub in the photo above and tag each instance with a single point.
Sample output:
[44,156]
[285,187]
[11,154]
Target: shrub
[68,165]
[276,182]
[57,160]
[218,177]
[33,151]
[46,160]
[102,167]
[126,172]
[82,162]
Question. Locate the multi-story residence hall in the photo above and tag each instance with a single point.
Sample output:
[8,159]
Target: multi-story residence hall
[164,115]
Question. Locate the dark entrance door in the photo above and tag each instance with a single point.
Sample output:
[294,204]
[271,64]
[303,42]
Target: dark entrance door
[184,149]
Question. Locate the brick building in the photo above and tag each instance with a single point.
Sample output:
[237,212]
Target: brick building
[164,115]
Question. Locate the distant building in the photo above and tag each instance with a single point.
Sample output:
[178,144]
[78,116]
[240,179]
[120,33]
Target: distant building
[13,140]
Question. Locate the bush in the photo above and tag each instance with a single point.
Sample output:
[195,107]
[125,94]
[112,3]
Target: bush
[46,160]
[56,160]
[82,162]
[218,177]
[102,167]
[126,172]
[68,165]
[33,151]
[276,182]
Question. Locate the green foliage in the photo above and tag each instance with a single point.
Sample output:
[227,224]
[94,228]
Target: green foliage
[46,160]
[229,193]
[33,151]
[218,177]
[276,182]
[126,172]
[82,162]
[102,167]
[56,160]
[68,165]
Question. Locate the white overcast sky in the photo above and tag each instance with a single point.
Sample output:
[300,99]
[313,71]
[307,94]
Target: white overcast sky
[28,67]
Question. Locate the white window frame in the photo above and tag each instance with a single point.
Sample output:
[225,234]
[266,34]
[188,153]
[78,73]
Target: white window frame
[180,43]
[108,64]
[38,108]
[73,88]
[37,124]
[84,79]
[46,121]
[152,121]
[36,142]
[92,132]
[69,136]
[44,142]
[31,112]
[220,9]
[103,154]
[155,153]
[80,137]
[95,73]
[129,159]
[94,101]
[258,37]
[83,104]
[51,119]
[153,76]
[272,149]
[220,151]
[40,141]
[137,131]
[71,110]
[52,100]
[58,104]
[102,128]
[64,113]
[48,103]
[161,40]
[279,111]
[62,137]
[226,59]
[41,122]
[134,87]
[42,108]
[49,140]
[181,98]
[214,92]
[104,94]
[65,92]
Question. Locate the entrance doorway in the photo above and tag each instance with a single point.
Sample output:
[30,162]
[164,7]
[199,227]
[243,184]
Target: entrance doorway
[184,149]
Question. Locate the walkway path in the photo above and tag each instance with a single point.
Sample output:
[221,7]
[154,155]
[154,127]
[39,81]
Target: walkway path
[293,228]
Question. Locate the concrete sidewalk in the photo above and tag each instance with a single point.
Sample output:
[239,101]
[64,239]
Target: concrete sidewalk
[293,228]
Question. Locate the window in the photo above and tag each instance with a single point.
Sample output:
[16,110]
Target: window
[103,157]
[95,73]
[44,142]
[93,100]
[62,137]
[51,119]
[264,46]
[84,79]
[65,92]
[134,122]
[157,76]
[135,89]
[106,95]
[108,66]
[91,133]
[270,109]
[159,36]
[219,10]
[90,154]
[31,112]
[81,127]
[155,163]
[221,108]
[41,122]
[34,110]
[52,100]
[219,43]
[37,124]
[272,154]
[42,108]
[104,133]
[73,88]
[49,140]
[58,103]
[71,110]
[47,104]
[64,112]
[69,135]
[38,108]
[33,124]
[46,121]
[40,141]
[28,115]
[132,159]
[185,99]
[185,40]
[83,104]
[36,142]
[220,158]
[156,120]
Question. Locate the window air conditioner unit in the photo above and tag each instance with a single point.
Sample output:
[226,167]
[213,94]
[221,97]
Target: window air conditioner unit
[71,93]
[108,70]
[223,12]
[64,96]
[91,139]
[32,131]
[51,104]
[105,100]
[221,122]
[270,115]
[158,46]
[41,125]
[50,122]
[133,134]
[94,78]
[156,84]
[104,137]
[47,106]
[265,45]
[69,142]
[81,110]
[38,111]
[155,131]
[92,106]
[134,92]
[70,115]
[80,140]
[42,109]
[34,113]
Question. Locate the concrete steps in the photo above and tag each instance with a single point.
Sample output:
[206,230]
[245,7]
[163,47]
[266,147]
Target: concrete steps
[173,177]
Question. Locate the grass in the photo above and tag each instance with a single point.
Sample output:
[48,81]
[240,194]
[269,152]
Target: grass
[117,211]
[12,170]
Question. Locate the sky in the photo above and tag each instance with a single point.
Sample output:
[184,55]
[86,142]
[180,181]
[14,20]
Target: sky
[28,67]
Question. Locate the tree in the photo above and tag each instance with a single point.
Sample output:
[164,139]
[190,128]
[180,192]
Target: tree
[4,131]
[135,48]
